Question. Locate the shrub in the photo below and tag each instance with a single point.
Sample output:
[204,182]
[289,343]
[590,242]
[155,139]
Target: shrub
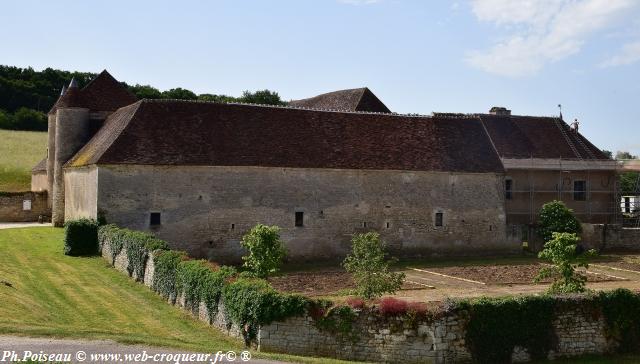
[369,268]
[556,217]
[253,302]
[137,244]
[621,309]
[355,302]
[81,237]
[164,276]
[266,250]
[337,319]
[562,251]
[496,325]
[199,281]
[390,306]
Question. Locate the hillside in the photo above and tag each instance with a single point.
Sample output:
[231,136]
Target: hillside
[19,152]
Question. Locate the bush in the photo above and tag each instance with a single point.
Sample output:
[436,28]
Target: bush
[164,276]
[355,302]
[497,325]
[562,251]
[369,269]
[390,306]
[621,309]
[81,237]
[137,244]
[266,250]
[555,217]
[199,281]
[250,303]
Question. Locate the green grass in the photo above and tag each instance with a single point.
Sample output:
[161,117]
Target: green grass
[19,152]
[60,296]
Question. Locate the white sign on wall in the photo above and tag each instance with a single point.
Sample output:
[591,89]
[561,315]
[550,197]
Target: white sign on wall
[26,205]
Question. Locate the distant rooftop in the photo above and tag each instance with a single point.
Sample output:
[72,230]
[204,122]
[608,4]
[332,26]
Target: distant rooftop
[357,99]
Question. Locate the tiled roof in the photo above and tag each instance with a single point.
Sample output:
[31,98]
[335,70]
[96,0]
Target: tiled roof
[537,137]
[172,132]
[103,93]
[41,166]
[357,99]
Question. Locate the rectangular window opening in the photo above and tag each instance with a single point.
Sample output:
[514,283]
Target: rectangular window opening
[508,188]
[299,218]
[387,225]
[364,224]
[154,219]
[439,218]
[233,226]
[579,190]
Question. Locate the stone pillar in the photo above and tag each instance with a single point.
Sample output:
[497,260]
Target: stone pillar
[72,131]
[51,154]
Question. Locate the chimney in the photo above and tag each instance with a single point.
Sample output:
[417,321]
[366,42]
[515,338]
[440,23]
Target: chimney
[499,110]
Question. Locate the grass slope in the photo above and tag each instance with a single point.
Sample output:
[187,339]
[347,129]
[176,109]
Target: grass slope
[61,296]
[19,152]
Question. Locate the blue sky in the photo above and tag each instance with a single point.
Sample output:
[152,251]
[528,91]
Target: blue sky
[417,56]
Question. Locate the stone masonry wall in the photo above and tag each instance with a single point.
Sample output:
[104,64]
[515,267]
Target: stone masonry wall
[611,237]
[376,338]
[12,206]
[206,210]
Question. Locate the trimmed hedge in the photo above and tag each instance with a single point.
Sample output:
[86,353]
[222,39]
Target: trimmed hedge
[81,237]
[253,302]
[137,244]
[164,276]
[198,281]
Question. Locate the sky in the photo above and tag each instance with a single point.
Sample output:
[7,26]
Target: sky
[416,56]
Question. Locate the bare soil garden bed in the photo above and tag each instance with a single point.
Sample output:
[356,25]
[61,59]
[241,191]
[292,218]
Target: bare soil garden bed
[506,274]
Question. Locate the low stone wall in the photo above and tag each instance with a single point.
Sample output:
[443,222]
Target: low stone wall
[611,237]
[579,329]
[23,206]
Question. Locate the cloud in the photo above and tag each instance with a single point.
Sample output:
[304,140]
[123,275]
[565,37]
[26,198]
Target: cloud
[630,53]
[359,2]
[540,31]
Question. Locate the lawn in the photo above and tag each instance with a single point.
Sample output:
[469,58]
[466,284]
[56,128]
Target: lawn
[19,152]
[56,295]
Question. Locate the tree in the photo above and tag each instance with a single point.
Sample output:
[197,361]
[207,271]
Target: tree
[27,119]
[555,217]
[264,97]
[216,98]
[179,94]
[145,92]
[608,153]
[266,250]
[625,155]
[5,120]
[628,182]
[369,268]
[565,255]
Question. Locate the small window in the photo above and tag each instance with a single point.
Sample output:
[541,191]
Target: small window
[579,190]
[154,220]
[508,188]
[364,224]
[387,225]
[439,218]
[233,226]
[299,218]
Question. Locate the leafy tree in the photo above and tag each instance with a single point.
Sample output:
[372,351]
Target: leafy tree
[369,268]
[5,120]
[264,97]
[216,98]
[27,119]
[608,153]
[145,92]
[266,250]
[627,182]
[179,94]
[555,217]
[625,155]
[565,255]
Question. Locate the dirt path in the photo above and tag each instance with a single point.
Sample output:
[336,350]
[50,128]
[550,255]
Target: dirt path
[12,225]
[94,351]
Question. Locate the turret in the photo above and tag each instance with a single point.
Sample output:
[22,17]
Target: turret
[71,130]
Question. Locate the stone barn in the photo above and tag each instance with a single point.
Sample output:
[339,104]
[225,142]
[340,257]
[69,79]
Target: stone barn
[201,174]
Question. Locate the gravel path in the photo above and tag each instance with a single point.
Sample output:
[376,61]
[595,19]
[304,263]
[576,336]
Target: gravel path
[11,225]
[15,348]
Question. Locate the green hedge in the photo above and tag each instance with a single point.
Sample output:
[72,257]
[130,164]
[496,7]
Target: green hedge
[164,276]
[253,302]
[137,244]
[200,282]
[497,325]
[621,309]
[81,237]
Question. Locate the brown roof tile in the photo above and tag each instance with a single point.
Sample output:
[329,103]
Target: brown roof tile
[171,132]
[357,99]
[41,166]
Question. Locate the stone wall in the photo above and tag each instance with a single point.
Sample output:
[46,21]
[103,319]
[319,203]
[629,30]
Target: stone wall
[611,237]
[23,206]
[579,329]
[206,210]
[81,193]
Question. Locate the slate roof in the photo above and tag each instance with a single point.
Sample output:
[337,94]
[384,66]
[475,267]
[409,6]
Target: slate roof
[537,137]
[174,132]
[41,166]
[103,93]
[357,99]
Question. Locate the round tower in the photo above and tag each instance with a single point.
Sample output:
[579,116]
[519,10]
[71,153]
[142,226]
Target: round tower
[72,130]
